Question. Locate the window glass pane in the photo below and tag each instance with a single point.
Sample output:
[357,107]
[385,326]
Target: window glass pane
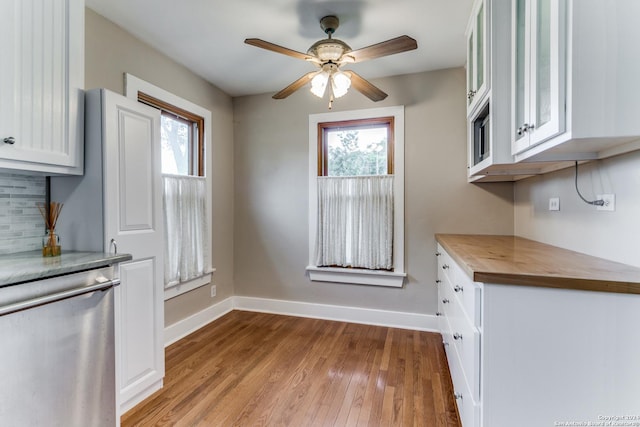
[470,85]
[543,65]
[520,64]
[357,151]
[480,47]
[175,145]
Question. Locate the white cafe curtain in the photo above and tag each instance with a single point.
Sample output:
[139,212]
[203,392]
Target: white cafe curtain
[355,222]
[186,249]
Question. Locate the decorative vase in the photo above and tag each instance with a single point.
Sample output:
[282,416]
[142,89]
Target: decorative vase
[51,244]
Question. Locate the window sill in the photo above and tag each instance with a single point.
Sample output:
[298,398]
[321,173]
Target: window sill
[354,276]
[184,287]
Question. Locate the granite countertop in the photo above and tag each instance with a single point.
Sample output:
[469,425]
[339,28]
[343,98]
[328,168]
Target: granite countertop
[517,261]
[28,266]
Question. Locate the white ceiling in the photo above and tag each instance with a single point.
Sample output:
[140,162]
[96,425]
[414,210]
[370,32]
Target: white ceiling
[207,36]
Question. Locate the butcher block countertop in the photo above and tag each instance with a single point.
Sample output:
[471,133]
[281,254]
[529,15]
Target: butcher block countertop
[517,261]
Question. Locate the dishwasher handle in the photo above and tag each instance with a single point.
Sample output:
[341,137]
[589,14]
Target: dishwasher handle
[100,285]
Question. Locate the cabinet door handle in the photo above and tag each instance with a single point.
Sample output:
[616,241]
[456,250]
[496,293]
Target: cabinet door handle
[113,244]
[438,313]
[458,289]
[457,396]
[529,127]
[9,140]
[438,254]
[457,336]
[521,130]
[445,301]
[438,281]
[446,266]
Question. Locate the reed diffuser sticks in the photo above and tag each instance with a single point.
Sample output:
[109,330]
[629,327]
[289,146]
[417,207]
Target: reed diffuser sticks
[51,242]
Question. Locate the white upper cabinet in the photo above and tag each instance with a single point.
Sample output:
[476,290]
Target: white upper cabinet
[41,86]
[477,64]
[538,71]
[574,64]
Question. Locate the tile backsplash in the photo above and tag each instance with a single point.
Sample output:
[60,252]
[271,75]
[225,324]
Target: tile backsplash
[21,225]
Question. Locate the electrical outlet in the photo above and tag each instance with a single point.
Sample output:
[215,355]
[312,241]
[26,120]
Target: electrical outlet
[609,202]
[213,291]
[554,204]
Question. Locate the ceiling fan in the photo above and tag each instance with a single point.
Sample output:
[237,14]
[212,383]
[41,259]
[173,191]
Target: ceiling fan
[329,55]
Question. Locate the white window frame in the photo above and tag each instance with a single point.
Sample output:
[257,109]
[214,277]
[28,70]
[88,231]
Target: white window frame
[393,278]
[133,85]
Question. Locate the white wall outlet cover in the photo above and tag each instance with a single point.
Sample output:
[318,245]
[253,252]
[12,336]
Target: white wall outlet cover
[609,202]
[554,203]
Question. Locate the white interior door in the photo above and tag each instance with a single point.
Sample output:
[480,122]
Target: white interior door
[133,218]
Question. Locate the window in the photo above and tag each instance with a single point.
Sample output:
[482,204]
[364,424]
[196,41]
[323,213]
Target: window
[356,147]
[356,187]
[182,139]
[185,148]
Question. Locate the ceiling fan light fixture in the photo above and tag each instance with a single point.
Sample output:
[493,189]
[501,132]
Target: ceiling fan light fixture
[340,84]
[319,83]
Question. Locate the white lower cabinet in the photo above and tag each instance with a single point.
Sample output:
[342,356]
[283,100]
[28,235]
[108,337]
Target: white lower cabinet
[534,356]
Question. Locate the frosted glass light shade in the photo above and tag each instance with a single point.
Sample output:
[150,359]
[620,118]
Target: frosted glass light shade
[340,84]
[319,83]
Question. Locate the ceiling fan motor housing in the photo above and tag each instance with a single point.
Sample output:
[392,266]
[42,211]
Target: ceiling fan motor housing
[329,49]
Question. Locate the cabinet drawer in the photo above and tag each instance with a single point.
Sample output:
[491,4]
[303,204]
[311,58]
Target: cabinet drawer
[468,409]
[470,414]
[445,272]
[466,341]
[464,289]
[468,294]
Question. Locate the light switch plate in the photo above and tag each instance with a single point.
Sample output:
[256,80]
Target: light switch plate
[554,204]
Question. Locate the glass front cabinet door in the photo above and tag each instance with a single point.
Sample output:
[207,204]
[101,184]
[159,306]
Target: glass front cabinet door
[538,78]
[477,73]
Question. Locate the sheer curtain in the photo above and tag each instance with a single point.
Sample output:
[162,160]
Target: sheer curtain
[186,249]
[355,222]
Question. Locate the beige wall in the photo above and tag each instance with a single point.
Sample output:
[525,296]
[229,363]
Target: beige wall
[271,205]
[578,226]
[110,52]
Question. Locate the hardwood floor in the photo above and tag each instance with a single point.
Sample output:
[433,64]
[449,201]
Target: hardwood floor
[255,369]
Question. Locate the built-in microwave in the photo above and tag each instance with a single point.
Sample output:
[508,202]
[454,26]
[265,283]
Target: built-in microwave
[481,136]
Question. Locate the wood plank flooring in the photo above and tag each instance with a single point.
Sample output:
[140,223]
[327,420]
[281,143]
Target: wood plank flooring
[256,369]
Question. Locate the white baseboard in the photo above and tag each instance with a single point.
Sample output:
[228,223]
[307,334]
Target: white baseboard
[393,319]
[184,327]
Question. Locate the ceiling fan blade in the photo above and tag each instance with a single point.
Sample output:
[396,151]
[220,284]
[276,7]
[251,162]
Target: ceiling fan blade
[366,88]
[389,47]
[278,49]
[294,86]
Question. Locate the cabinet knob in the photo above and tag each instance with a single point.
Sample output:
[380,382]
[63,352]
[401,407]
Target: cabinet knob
[9,140]
[458,288]
[438,254]
[445,301]
[457,396]
[444,343]
[438,313]
[446,266]
[471,94]
[438,281]
[457,336]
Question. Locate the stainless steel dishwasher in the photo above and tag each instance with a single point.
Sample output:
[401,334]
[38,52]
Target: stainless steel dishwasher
[57,355]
